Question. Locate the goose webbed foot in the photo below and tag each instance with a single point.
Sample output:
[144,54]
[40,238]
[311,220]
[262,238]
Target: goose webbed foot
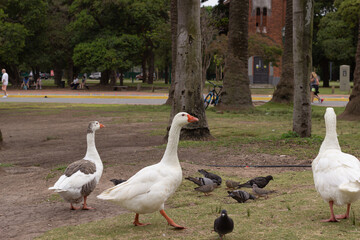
[137,223]
[170,221]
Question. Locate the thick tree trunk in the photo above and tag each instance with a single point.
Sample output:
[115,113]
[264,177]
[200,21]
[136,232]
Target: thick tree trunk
[284,92]
[303,11]
[173,19]
[188,87]
[105,75]
[57,76]
[113,77]
[352,110]
[14,77]
[236,93]
[70,72]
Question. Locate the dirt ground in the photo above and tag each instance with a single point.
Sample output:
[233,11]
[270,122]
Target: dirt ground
[35,144]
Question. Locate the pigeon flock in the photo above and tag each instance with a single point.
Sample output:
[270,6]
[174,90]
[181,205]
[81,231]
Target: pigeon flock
[148,189]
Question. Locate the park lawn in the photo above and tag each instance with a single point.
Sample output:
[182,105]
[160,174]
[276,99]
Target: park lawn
[293,212]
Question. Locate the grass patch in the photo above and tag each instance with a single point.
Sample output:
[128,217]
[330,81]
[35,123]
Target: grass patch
[55,171]
[6,165]
[294,212]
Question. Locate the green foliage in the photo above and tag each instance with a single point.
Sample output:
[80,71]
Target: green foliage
[336,38]
[108,52]
[349,11]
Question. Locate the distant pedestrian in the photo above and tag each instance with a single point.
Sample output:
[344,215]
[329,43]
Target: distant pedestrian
[314,86]
[5,81]
[38,83]
[25,83]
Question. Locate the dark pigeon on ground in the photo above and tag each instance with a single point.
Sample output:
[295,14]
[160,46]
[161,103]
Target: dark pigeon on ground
[261,182]
[206,189]
[217,179]
[117,181]
[200,181]
[240,196]
[223,224]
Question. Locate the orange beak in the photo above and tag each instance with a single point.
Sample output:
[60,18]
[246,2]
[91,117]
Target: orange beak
[101,126]
[192,119]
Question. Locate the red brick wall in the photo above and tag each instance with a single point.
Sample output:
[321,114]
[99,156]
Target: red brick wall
[275,23]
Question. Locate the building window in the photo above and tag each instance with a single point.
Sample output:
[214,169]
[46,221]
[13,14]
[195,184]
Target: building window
[264,20]
[258,19]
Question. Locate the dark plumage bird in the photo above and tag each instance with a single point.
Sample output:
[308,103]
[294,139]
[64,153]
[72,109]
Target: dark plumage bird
[240,196]
[200,181]
[261,192]
[261,182]
[217,179]
[117,181]
[223,224]
[231,184]
[206,189]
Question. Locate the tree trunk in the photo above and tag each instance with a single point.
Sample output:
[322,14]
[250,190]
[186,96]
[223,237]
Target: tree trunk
[143,65]
[236,93]
[303,11]
[284,92]
[188,95]
[173,19]
[14,77]
[70,72]
[324,65]
[57,76]
[105,75]
[113,77]
[166,72]
[151,61]
[352,110]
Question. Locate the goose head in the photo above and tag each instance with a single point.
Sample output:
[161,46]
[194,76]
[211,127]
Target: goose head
[183,118]
[330,119]
[93,126]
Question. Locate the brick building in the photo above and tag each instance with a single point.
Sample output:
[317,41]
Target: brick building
[266,17]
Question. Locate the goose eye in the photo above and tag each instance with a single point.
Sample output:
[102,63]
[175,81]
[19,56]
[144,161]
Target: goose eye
[183,114]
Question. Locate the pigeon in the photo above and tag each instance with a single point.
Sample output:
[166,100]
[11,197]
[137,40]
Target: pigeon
[231,184]
[223,224]
[206,189]
[240,196]
[200,181]
[260,192]
[117,181]
[217,179]
[261,182]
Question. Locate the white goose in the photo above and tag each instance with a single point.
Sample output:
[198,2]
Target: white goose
[81,177]
[149,188]
[336,174]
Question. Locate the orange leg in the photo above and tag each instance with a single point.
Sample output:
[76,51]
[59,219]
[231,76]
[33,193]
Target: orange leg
[73,208]
[332,218]
[85,207]
[170,221]
[346,215]
[137,223]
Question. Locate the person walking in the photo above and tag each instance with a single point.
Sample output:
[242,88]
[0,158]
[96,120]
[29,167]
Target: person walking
[314,87]
[5,81]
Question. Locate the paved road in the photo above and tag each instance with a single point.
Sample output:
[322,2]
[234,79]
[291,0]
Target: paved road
[124,97]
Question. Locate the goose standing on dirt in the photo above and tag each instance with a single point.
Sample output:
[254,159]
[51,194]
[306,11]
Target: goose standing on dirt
[148,189]
[336,174]
[81,177]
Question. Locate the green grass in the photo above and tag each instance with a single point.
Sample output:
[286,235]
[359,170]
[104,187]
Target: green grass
[6,165]
[294,212]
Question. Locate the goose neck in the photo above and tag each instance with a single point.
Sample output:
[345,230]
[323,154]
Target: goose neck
[173,142]
[91,152]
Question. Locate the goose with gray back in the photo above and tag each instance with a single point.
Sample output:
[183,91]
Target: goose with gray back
[149,188]
[336,174]
[81,177]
